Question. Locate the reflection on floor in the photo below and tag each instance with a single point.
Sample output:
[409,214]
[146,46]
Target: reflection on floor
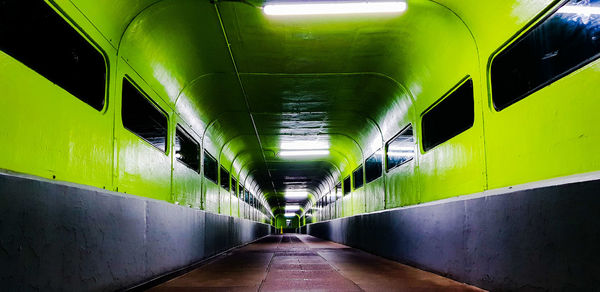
[295,262]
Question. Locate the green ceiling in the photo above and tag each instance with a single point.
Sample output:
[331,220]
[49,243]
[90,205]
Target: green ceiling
[250,81]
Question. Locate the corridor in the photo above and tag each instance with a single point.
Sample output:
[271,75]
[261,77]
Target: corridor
[163,144]
[295,262]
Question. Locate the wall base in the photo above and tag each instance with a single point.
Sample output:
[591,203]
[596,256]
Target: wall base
[62,236]
[536,239]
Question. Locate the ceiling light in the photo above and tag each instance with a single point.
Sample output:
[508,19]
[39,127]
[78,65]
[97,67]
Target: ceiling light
[289,215]
[579,9]
[292,207]
[295,153]
[296,195]
[304,145]
[316,8]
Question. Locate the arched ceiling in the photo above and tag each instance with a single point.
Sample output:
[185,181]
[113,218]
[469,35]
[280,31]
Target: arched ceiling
[248,82]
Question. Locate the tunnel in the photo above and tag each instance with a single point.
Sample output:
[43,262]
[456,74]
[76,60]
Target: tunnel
[305,145]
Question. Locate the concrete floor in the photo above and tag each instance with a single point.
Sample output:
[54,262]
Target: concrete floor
[295,262]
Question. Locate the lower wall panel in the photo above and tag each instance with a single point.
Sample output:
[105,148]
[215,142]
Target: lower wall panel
[532,240]
[56,236]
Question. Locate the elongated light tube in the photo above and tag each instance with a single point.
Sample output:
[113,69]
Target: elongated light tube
[334,8]
[295,153]
[304,145]
[292,207]
[295,195]
[289,215]
[579,9]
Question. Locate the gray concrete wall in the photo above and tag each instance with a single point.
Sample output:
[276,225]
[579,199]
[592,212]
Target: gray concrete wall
[542,239]
[64,237]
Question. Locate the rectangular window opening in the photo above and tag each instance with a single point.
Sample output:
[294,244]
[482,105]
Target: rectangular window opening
[34,34]
[400,149]
[563,42]
[347,186]
[234,185]
[450,117]
[187,150]
[224,178]
[142,117]
[210,167]
[374,166]
[357,178]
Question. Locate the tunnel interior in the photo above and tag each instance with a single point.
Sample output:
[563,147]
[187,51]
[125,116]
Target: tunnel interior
[409,134]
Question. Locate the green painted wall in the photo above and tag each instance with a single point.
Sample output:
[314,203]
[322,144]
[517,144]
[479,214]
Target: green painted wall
[241,108]
[51,134]
[548,134]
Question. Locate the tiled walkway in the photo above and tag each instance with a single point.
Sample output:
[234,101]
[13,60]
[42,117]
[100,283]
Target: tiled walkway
[295,262]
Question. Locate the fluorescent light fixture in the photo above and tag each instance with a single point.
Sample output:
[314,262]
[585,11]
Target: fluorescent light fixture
[304,145]
[316,8]
[289,215]
[292,207]
[296,195]
[296,153]
[579,9]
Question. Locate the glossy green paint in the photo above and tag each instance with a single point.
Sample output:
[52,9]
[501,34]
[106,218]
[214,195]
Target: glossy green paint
[241,83]
[46,131]
[59,137]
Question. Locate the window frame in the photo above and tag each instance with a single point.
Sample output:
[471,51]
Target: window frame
[233,184]
[382,164]
[387,144]
[221,170]
[206,153]
[349,190]
[437,103]
[537,21]
[178,126]
[167,150]
[90,41]
[362,177]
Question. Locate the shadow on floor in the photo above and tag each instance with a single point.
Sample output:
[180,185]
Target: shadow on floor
[297,262]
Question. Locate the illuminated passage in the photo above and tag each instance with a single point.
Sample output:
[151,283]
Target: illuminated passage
[298,262]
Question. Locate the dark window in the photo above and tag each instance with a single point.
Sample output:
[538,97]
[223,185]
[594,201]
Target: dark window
[233,185]
[210,167]
[563,42]
[357,177]
[450,117]
[374,166]
[338,190]
[142,117]
[34,34]
[240,191]
[247,196]
[224,178]
[401,148]
[187,150]
[347,189]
